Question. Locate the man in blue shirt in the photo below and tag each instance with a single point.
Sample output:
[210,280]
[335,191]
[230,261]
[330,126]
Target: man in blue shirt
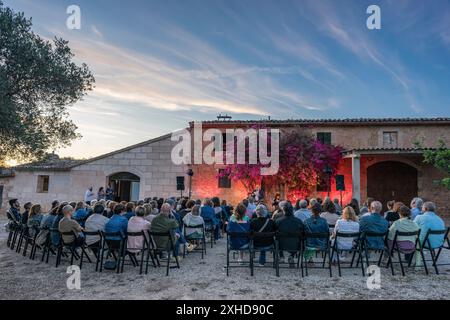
[374,222]
[429,220]
[117,223]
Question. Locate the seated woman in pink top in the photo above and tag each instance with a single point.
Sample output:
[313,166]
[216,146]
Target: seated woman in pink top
[137,224]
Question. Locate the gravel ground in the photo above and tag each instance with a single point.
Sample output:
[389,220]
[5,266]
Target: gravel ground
[22,278]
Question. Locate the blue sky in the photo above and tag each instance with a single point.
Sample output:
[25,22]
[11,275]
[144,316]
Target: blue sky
[160,64]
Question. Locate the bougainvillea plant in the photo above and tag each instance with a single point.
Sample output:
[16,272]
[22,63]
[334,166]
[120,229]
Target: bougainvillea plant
[304,162]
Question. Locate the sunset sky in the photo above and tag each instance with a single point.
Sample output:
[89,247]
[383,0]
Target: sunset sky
[160,64]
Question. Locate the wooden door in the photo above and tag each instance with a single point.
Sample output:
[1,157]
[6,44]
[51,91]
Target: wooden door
[392,180]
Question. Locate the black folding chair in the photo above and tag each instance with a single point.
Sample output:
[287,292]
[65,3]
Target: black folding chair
[325,250]
[16,235]
[197,239]
[355,249]
[23,235]
[113,242]
[426,245]
[238,264]
[72,246]
[396,247]
[169,250]
[263,236]
[296,249]
[46,247]
[96,247]
[367,247]
[30,238]
[133,252]
[209,230]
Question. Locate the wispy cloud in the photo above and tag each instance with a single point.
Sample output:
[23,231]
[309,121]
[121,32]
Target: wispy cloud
[96,31]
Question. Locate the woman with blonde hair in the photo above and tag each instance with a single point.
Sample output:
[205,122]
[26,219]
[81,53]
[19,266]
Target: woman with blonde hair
[348,223]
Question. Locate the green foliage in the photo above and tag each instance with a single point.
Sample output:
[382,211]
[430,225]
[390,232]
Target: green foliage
[440,158]
[38,80]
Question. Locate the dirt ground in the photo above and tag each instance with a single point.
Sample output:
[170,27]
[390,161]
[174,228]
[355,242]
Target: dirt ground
[22,278]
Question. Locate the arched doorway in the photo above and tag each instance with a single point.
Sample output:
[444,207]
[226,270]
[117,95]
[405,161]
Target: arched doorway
[391,180]
[125,185]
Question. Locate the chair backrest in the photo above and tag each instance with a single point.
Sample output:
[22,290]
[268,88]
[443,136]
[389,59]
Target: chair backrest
[167,234]
[263,236]
[348,234]
[110,235]
[68,233]
[317,235]
[93,233]
[426,240]
[139,234]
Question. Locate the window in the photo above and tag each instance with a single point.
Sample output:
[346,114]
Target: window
[390,139]
[42,184]
[225,181]
[324,137]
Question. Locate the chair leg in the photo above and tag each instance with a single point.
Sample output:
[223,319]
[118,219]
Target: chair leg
[424,260]
[401,262]
[434,260]
[168,263]
[228,261]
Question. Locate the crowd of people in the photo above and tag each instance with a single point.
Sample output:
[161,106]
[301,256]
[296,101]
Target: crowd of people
[170,215]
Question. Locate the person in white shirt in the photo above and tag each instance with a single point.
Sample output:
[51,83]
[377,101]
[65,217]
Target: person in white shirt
[348,223]
[95,222]
[89,196]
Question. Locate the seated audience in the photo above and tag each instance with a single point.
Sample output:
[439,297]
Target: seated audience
[315,224]
[80,213]
[193,218]
[137,224]
[288,223]
[117,223]
[416,207]
[26,213]
[429,220]
[366,206]
[374,222]
[329,213]
[391,215]
[337,206]
[164,223]
[404,224]
[303,212]
[279,212]
[209,216]
[129,210]
[239,225]
[34,219]
[67,224]
[96,222]
[262,223]
[348,223]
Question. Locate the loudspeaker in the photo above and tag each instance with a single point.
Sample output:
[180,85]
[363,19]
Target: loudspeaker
[180,183]
[340,185]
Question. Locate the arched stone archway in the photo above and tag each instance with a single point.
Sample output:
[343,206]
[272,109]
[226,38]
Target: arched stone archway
[392,180]
[126,186]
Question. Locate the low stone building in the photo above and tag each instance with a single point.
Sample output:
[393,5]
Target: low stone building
[381,160]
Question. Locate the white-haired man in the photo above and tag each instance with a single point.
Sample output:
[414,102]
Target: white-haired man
[374,222]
